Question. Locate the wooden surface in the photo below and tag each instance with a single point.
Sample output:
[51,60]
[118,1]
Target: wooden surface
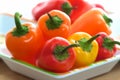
[7,74]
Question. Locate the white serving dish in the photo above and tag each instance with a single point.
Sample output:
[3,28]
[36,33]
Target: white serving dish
[98,68]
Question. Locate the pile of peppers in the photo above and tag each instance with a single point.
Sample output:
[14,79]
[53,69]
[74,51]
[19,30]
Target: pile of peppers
[61,41]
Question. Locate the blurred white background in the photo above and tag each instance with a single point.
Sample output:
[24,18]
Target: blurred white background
[25,6]
[22,6]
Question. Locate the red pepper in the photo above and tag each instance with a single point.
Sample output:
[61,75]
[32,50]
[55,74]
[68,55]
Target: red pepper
[79,7]
[107,46]
[44,7]
[57,55]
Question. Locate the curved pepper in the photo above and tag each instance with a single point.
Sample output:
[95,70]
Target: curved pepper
[88,50]
[93,21]
[57,55]
[107,47]
[46,6]
[23,41]
[55,23]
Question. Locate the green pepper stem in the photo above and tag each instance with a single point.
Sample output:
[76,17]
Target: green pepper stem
[109,43]
[20,30]
[107,19]
[113,43]
[91,39]
[70,46]
[50,17]
[17,21]
[67,8]
[53,22]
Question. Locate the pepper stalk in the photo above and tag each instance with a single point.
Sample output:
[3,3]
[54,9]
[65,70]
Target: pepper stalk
[109,44]
[20,30]
[86,44]
[61,52]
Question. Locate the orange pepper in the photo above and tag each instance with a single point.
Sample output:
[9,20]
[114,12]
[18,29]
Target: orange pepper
[93,21]
[23,41]
[55,23]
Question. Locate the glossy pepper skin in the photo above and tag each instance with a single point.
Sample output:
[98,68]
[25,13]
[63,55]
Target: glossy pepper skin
[54,57]
[107,47]
[93,21]
[87,52]
[55,23]
[23,42]
[46,6]
[79,8]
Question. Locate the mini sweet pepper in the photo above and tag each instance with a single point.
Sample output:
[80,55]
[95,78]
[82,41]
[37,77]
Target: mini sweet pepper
[87,52]
[93,21]
[57,55]
[23,42]
[79,7]
[54,23]
[107,46]
[46,6]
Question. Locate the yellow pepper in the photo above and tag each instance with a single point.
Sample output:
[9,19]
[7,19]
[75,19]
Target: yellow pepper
[87,52]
